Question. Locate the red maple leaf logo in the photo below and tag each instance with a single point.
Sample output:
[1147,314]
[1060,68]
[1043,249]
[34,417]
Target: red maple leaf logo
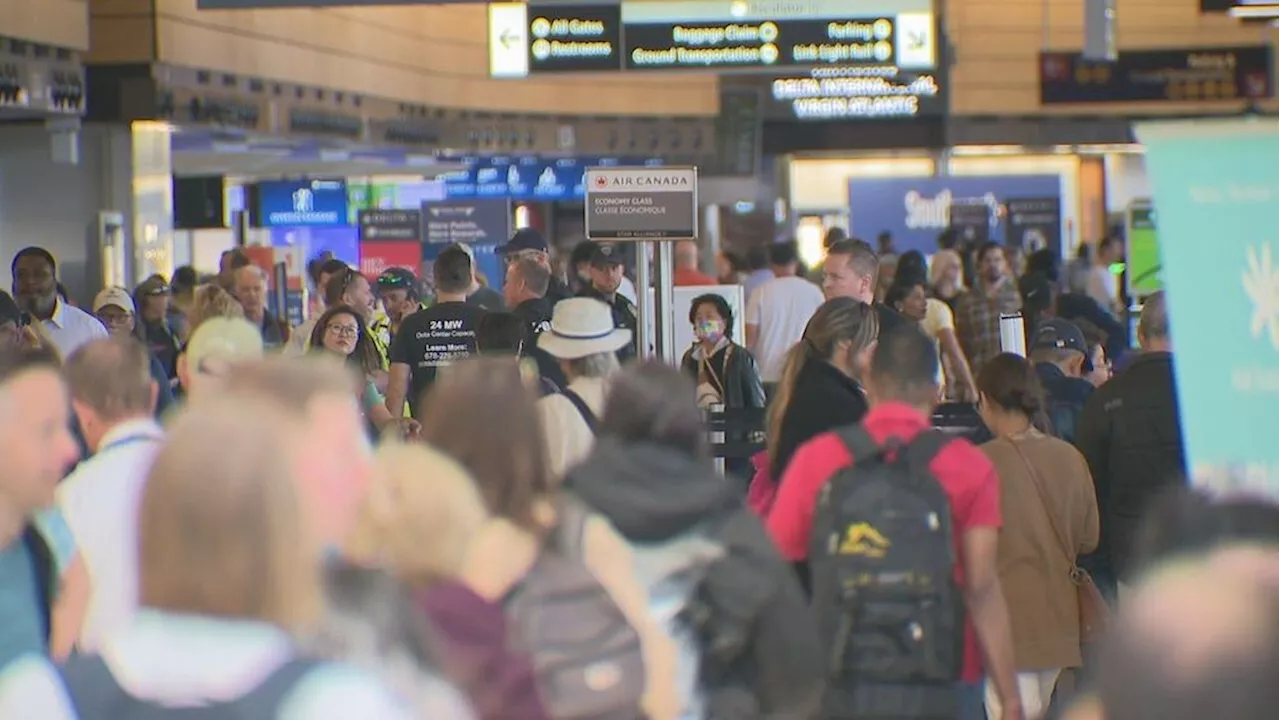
[601,181]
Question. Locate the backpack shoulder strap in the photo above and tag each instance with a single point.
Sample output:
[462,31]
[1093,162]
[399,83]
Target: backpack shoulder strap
[46,574]
[858,442]
[571,526]
[588,416]
[266,699]
[923,448]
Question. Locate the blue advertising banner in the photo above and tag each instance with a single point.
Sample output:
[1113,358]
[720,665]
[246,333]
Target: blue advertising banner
[302,203]
[915,210]
[480,221]
[1217,179]
[529,178]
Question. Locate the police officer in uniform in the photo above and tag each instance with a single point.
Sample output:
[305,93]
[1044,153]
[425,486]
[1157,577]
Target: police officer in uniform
[606,276]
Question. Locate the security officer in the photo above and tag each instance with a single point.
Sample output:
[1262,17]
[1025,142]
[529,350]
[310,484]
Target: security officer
[606,277]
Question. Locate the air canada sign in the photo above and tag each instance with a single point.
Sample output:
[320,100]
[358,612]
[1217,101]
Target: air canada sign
[641,203]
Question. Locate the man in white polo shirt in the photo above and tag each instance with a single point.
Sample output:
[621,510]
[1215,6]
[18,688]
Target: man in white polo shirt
[35,287]
[114,397]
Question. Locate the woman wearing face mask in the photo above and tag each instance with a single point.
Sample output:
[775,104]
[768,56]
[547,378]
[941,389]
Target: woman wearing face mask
[725,371]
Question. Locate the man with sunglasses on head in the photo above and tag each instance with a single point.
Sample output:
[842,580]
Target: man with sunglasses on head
[398,290]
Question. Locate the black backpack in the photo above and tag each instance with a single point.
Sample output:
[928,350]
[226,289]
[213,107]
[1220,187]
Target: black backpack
[882,561]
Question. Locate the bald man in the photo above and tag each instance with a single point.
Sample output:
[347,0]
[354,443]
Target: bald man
[1196,639]
[1130,433]
[687,272]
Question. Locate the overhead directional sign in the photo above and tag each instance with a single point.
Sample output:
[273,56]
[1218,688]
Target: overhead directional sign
[720,35]
[641,203]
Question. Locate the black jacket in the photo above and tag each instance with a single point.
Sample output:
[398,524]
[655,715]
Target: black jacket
[770,665]
[823,399]
[1130,434]
[736,368]
[557,291]
[625,316]
[536,315]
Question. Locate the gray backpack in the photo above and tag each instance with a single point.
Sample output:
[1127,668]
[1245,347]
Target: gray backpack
[586,656]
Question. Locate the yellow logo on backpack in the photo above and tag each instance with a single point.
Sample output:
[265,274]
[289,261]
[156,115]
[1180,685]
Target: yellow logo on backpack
[863,539]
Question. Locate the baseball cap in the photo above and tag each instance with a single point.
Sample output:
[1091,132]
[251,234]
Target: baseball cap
[224,339]
[117,296]
[604,254]
[154,285]
[1060,334]
[525,239]
[396,277]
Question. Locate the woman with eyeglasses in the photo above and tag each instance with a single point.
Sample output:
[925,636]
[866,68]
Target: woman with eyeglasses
[340,332]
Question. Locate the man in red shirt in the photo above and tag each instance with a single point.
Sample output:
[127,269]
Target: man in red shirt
[686,270]
[902,388]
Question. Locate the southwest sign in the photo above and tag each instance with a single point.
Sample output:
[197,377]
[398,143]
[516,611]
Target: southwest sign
[641,203]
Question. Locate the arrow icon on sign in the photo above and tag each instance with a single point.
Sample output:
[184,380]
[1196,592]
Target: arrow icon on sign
[509,37]
[916,40]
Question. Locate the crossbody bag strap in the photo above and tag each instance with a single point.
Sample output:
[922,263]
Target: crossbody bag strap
[1036,479]
[713,377]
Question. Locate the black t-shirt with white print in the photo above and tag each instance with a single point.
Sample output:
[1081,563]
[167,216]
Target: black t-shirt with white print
[434,338]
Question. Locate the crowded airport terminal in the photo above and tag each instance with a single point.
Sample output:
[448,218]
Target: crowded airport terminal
[639,360]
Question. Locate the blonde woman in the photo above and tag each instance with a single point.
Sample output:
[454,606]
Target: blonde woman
[210,301]
[229,576]
[438,538]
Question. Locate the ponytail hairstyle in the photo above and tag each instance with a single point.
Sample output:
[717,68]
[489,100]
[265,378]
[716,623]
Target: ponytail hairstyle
[1009,382]
[837,320]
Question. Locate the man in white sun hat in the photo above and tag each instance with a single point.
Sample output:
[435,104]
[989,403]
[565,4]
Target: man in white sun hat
[584,338]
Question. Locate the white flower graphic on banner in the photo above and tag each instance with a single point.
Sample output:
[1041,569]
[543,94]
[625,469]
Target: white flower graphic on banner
[1262,284]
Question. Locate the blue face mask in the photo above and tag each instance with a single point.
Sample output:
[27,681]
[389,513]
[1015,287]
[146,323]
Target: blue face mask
[709,330]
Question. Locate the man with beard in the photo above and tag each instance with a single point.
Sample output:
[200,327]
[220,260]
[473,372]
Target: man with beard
[35,287]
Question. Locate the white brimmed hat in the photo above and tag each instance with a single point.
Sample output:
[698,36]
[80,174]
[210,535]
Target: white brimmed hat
[582,327]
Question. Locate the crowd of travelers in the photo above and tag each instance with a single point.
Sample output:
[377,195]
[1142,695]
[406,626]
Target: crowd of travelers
[479,504]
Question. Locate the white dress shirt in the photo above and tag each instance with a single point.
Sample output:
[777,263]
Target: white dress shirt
[100,503]
[70,327]
[177,660]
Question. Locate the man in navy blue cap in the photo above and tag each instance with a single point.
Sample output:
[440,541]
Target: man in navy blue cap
[528,242]
[606,277]
[1061,357]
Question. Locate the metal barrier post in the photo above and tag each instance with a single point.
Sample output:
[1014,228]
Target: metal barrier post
[663,300]
[644,301]
[716,437]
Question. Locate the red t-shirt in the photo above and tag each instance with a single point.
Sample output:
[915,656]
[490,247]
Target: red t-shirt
[965,473]
[687,276]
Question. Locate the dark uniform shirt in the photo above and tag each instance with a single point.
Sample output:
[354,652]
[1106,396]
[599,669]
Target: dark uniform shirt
[624,316]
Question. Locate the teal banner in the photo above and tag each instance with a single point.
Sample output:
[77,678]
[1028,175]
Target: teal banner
[1217,193]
